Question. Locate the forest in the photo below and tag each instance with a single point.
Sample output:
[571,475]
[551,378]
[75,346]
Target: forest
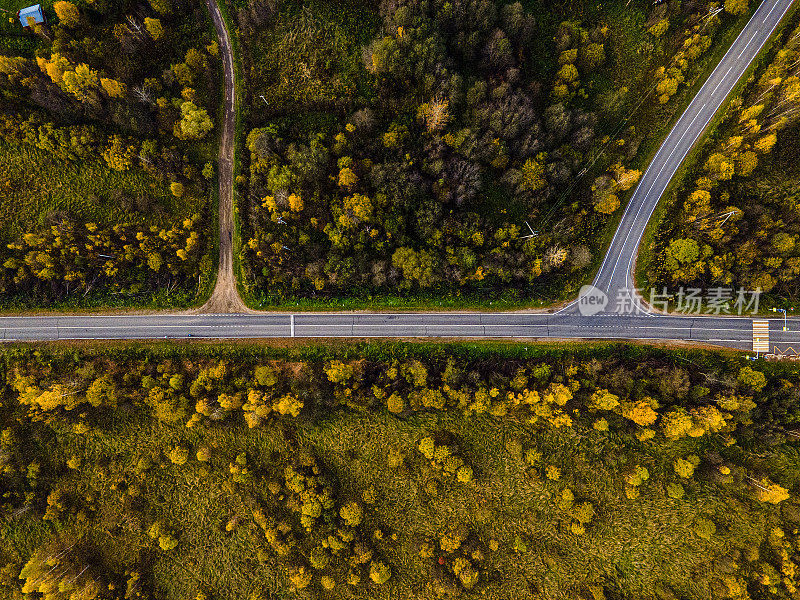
[734,220]
[396,470]
[107,146]
[460,149]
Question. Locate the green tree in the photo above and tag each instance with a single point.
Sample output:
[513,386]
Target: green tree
[427,447]
[736,7]
[607,204]
[395,403]
[194,123]
[684,468]
[704,528]
[676,423]
[681,252]
[102,391]
[750,378]
[352,514]
[379,572]
[593,56]
[767,491]
[604,400]
[162,7]
[464,474]
[265,376]
[416,266]
[179,455]
[533,173]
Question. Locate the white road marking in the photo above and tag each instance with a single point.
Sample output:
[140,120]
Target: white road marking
[721,81]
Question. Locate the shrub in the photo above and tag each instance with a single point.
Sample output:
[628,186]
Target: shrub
[379,572]
[553,473]
[67,13]
[684,467]
[352,514]
[167,542]
[704,528]
[179,455]
[464,474]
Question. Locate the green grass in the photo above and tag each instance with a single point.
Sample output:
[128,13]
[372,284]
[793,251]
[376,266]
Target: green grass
[630,548]
[40,185]
[310,57]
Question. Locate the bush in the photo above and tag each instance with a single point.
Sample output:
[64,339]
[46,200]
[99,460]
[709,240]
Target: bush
[179,455]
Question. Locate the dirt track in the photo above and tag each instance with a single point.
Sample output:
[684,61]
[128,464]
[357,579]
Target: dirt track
[225,298]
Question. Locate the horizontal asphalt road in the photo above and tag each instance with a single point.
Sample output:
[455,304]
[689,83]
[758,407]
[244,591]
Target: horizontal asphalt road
[724,331]
[614,274]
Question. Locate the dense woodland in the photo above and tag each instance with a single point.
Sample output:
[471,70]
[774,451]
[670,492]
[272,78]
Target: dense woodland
[410,158]
[129,92]
[736,220]
[383,471]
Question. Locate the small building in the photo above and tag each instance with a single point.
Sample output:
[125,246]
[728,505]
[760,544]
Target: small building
[34,12]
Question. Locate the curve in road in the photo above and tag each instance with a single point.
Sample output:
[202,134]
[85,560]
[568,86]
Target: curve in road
[614,274]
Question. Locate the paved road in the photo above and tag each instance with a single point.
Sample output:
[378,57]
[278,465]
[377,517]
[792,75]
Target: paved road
[730,332]
[614,274]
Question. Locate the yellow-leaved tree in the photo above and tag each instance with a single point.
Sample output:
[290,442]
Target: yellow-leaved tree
[67,13]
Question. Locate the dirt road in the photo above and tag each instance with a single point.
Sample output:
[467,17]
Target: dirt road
[225,298]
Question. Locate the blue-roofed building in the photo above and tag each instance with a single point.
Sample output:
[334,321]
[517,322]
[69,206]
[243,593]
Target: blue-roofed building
[34,12]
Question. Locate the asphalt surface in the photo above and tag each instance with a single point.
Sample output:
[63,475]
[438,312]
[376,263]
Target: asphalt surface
[615,273]
[730,332]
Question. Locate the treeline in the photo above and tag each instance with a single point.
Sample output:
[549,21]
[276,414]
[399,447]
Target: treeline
[118,152]
[122,64]
[736,223]
[429,184]
[71,260]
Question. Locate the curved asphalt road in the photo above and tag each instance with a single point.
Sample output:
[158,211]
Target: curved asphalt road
[616,271]
[614,274]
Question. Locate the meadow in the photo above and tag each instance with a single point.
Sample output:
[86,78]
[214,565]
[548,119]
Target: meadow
[385,470]
[37,187]
[108,120]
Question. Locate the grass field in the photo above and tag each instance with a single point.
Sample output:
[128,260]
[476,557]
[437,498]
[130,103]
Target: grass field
[40,185]
[106,473]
